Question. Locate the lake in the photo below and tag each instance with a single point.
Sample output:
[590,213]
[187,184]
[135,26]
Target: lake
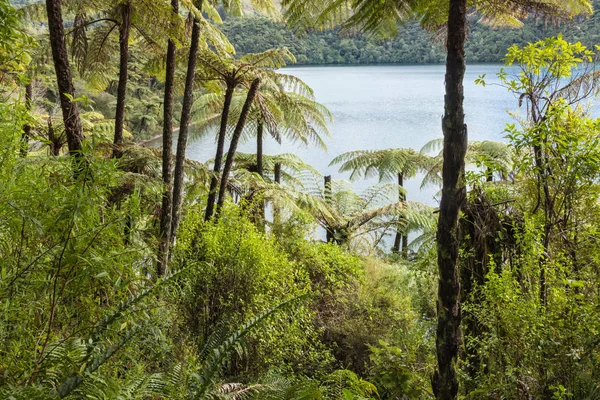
[379,107]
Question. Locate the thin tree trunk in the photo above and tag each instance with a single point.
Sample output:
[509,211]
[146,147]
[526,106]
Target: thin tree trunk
[397,241]
[214,181]
[260,218]
[277,173]
[124,30]
[327,192]
[259,149]
[276,211]
[188,101]
[167,155]
[405,233]
[400,238]
[27,127]
[234,142]
[54,145]
[405,246]
[73,128]
[259,204]
[448,336]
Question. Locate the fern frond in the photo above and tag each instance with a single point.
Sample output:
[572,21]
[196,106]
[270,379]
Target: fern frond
[220,353]
[272,58]
[68,385]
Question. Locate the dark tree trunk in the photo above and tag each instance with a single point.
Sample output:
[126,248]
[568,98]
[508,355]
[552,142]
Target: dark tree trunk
[327,192]
[259,150]
[188,101]
[54,144]
[214,181]
[276,210]
[448,335]
[277,173]
[260,207]
[397,241]
[123,76]
[27,127]
[237,133]
[401,238]
[73,128]
[167,155]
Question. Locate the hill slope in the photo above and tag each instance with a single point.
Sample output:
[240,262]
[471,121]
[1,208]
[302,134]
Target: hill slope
[412,45]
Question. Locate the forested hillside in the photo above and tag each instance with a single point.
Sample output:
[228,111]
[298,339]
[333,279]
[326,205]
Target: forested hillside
[129,272]
[412,45]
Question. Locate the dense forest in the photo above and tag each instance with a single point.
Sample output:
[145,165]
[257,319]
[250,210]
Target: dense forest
[411,45]
[133,272]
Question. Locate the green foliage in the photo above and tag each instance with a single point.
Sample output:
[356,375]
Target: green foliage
[533,318]
[242,272]
[15,46]
[250,35]
[74,259]
[485,44]
[530,351]
[386,164]
[363,302]
[274,315]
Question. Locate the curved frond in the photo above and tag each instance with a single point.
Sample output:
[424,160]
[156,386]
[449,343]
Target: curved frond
[386,164]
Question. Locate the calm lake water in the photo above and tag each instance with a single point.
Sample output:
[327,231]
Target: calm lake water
[379,107]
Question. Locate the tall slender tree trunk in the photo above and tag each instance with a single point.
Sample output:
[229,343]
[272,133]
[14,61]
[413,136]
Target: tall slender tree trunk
[276,211]
[277,173]
[188,101]
[259,149]
[124,30]
[260,208]
[73,128]
[448,336]
[167,152]
[214,181]
[330,234]
[54,145]
[401,238]
[237,133]
[27,127]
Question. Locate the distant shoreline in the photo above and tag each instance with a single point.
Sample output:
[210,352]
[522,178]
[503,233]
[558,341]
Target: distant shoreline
[387,64]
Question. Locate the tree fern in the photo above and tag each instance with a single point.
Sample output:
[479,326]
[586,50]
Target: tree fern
[381,18]
[384,164]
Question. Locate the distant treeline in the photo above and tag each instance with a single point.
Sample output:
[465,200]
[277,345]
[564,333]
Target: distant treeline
[413,45]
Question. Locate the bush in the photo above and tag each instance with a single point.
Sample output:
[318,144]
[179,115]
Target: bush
[239,273]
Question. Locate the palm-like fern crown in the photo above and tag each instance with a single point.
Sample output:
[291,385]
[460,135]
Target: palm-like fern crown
[386,164]
[284,104]
[152,24]
[497,156]
[294,171]
[382,17]
[352,215]
[493,155]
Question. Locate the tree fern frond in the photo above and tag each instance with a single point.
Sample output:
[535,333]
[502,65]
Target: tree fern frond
[387,164]
[272,58]
[218,355]
[67,386]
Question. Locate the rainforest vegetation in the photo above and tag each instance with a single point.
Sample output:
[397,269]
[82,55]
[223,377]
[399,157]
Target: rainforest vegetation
[412,44]
[133,272]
